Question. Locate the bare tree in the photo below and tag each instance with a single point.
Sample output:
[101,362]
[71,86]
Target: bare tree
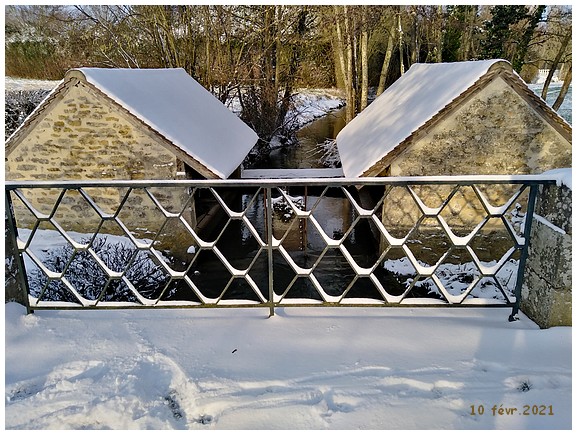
[556,47]
[564,89]
[386,61]
[555,64]
[108,33]
[278,36]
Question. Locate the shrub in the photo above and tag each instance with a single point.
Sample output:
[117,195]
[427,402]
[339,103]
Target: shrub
[18,105]
[88,278]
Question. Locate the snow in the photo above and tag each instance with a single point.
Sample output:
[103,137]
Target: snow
[304,368]
[310,104]
[44,240]
[399,111]
[548,224]
[563,176]
[292,173]
[179,108]
[456,278]
[13,84]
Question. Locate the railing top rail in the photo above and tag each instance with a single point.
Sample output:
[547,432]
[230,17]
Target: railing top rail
[366,181]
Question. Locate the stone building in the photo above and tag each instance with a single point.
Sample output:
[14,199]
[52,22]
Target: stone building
[459,118]
[126,124]
[463,118]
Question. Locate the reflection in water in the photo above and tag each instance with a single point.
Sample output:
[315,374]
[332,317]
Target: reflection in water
[305,244]
[306,153]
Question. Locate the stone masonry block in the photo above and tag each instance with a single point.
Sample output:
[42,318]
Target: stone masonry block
[547,284]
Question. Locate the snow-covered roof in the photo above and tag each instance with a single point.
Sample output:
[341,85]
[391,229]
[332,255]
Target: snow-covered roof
[175,105]
[415,98]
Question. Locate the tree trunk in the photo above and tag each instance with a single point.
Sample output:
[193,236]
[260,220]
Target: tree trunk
[342,59]
[439,35]
[351,99]
[554,65]
[269,86]
[413,38]
[386,62]
[564,89]
[340,45]
[208,53]
[401,44]
[345,53]
[300,29]
[466,50]
[364,61]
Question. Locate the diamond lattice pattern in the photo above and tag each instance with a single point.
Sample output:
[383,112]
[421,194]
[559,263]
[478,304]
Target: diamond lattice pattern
[225,244]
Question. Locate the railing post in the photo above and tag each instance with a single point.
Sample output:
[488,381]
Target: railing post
[20,277]
[525,250]
[269,238]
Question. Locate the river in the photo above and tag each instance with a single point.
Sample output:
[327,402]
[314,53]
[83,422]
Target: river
[306,153]
[303,242]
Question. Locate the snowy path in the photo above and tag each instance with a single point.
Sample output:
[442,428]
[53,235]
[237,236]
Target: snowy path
[306,368]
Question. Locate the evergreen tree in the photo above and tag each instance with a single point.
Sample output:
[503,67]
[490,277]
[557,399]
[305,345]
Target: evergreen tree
[509,33]
[459,31]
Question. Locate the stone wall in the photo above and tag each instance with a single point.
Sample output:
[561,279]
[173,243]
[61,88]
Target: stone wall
[547,292]
[83,136]
[495,132]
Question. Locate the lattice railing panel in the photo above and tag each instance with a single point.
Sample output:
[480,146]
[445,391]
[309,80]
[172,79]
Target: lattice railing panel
[295,242]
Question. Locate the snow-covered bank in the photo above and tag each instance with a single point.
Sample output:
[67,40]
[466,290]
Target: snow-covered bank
[566,109]
[305,368]
[13,84]
[311,104]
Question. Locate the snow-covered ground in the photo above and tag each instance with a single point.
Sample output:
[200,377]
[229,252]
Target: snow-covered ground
[304,368]
[13,84]
[565,111]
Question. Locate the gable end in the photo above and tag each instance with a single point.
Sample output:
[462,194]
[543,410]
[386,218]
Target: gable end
[154,134]
[499,70]
[51,100]
[444,113]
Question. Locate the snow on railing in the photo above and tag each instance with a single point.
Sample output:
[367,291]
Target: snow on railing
[402,241]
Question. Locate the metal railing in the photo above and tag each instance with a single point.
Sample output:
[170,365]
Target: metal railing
[411,241]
